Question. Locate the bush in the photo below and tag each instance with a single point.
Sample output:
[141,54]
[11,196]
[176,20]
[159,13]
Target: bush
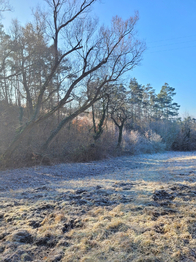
[167,130]
[148,143]
[74,143]
[186,137]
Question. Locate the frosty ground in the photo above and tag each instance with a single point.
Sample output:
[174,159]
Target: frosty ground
[130,208]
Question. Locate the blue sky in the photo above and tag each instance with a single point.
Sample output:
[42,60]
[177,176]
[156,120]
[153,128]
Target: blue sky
[167,27]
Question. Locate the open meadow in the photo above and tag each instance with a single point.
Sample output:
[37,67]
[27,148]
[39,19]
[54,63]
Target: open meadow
[130,208]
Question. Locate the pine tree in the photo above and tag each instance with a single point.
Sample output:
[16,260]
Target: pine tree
[166,107]
[135,99]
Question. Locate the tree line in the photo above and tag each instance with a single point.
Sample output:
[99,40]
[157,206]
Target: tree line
[62,56]
[63,64]
[130,105]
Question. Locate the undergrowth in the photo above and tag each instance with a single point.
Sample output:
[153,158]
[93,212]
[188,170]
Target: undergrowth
[76,143]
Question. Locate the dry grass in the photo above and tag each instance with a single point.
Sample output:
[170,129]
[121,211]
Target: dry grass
[142,230]
[134,236]
[125,233]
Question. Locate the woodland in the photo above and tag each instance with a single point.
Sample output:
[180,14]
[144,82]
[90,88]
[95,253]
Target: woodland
[66,94]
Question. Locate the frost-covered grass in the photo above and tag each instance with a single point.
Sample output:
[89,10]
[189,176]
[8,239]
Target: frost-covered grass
[148,213]
[126,234]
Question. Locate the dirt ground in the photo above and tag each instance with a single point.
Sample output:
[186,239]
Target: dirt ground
[130,208]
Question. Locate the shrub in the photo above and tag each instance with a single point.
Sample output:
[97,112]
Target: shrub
[168,130]
[186,137]
[148,143]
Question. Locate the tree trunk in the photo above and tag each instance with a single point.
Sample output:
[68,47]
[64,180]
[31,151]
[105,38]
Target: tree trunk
[99,131]
[64,122]
[120,129]
[94,124]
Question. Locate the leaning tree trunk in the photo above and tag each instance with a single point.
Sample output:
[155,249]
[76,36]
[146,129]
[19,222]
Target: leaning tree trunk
[98,131]
[66,120]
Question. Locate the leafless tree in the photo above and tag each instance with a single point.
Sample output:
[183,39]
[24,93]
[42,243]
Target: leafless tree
[5,6]
[120,110]
[94,54]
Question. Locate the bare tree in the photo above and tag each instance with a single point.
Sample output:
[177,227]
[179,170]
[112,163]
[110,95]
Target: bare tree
[120,110]
[102,55]
[5,6]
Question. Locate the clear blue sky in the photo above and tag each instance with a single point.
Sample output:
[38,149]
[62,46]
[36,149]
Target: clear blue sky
[169,30]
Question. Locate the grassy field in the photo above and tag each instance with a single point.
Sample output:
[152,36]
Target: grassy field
[147,213]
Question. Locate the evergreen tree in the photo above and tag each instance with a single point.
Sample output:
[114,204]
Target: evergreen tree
[166,107]
[148,101]
[135,99]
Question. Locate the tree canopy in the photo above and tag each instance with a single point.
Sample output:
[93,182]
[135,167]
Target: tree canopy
[59,56]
